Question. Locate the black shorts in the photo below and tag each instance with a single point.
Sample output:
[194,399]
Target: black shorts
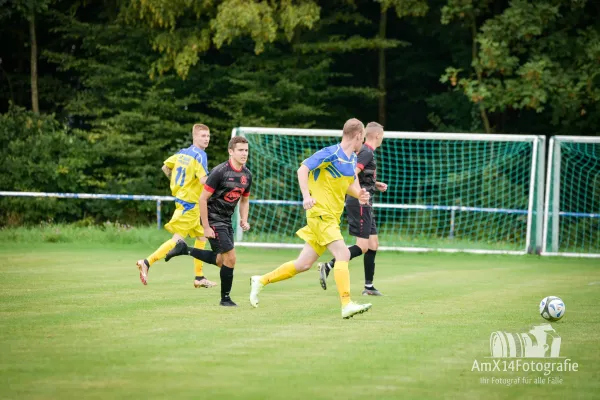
[223,240]
[361,221]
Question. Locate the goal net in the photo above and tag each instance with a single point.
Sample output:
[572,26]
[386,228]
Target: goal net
[446,192]
[572,206]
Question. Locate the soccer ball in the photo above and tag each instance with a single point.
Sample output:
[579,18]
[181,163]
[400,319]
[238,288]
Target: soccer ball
[552,308]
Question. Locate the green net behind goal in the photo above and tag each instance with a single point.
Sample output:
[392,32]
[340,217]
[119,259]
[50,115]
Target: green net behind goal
[443,193]
[573,205]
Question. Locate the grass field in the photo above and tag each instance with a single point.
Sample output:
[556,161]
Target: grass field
[75,322]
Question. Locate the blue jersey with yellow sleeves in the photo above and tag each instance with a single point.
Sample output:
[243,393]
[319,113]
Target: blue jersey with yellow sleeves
[188,166]
[331,172]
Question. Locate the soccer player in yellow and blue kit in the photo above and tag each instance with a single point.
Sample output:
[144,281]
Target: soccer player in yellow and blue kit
[325,178]
[361,218]
[187,170]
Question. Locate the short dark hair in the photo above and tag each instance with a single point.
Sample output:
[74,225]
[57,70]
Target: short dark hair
[235,140]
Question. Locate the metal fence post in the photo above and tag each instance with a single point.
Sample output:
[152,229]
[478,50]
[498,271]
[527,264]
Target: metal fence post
[158,214]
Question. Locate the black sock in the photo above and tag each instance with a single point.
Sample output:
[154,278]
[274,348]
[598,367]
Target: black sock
[147,263]
[355,251]
[370,266]
[226,281]
[199,278]
[207,256]
[330,264]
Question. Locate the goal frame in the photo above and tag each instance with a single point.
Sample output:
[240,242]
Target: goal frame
[553,194]
[536,185]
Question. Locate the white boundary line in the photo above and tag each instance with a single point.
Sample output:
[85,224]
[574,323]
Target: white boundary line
[386,248]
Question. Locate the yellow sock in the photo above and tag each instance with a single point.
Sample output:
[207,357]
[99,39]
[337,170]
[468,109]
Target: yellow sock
[285,271]
[342,281]
[161,252]
[199,244]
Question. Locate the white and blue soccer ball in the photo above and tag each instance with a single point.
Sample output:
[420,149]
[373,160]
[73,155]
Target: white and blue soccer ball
[552,308]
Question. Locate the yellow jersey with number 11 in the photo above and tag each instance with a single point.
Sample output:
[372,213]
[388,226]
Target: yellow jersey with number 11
[188,167]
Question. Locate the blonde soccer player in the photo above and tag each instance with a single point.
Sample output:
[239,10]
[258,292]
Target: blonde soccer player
[325,178]
[187,171]
[361,218]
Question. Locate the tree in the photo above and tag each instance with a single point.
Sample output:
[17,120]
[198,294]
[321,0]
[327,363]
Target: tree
[185,30]
[29,10]
[415,8]
[40,155]
[133,121]
[541,57]
[469,11]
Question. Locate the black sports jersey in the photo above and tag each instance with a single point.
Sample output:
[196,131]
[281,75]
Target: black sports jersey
[368,176]
[227,185]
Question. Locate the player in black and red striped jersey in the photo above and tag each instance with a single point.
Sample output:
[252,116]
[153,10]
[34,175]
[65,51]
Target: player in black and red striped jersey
[226,185]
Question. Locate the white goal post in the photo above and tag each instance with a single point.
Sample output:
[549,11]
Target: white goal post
[448,192]
[572,203]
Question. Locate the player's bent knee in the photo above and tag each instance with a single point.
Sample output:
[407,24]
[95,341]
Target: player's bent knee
[342,254]
[229,260]
[373,243]
[363,244]
[304,263]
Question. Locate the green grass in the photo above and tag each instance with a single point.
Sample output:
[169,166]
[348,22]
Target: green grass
[107,234]
[75,322]
[390,240]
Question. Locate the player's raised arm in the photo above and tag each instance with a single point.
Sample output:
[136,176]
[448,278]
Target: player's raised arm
[307,201]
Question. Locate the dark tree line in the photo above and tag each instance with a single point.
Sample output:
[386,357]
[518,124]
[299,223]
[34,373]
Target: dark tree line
[95,94]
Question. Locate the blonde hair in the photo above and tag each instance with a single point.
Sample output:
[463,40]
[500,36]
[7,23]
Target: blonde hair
[199,128]
[374,127]
[352,128]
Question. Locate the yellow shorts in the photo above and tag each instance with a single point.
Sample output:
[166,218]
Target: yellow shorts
[320,232]
[185,222]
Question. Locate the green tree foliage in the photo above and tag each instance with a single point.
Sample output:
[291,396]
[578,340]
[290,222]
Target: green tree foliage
[124,80]
[39,155]
[132,122]
[187,29]
[283,86]
[541,56]
[28,10]
[277,89]
[131,119]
